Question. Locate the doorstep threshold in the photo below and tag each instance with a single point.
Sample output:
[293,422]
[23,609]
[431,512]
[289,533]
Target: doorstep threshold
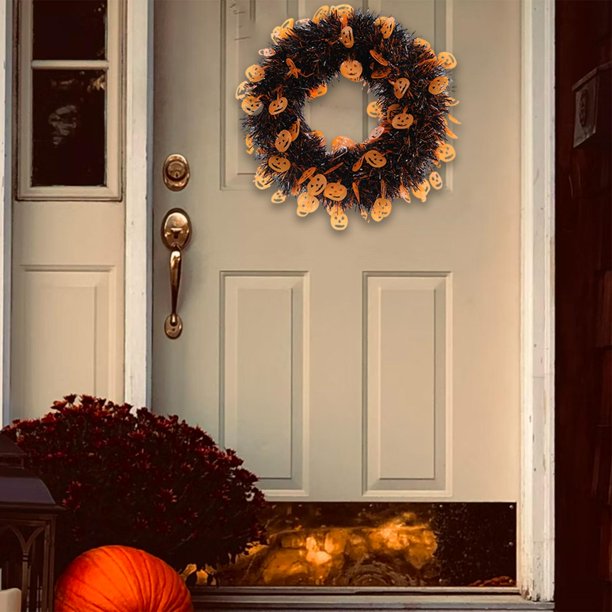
[304,599]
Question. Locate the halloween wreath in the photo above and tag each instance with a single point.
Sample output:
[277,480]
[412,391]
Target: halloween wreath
[400,156]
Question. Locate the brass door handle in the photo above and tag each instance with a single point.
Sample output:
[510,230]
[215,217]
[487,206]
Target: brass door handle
[175,231]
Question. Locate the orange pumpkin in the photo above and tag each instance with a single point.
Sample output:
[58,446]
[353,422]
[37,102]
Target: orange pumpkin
[120,579]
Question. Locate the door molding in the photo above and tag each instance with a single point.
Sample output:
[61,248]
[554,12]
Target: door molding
[536,508]
[138,201]
[536,536]
[6,138]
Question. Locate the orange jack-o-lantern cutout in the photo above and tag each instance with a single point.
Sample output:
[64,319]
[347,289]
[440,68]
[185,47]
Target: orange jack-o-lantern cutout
[267,52]
[347,37]
[322,13]
[400,87]
[375,158]
[279,163]
[376,133]
[445,152]
[438,85]
[435,180]
[255,73]
[242,90]
[421,42]
[421,191]
[386,25]
[283,141]
[294,130]
[278,105]
[335,191]
[282,31]
[342,142]
[343,11]
[351,69]
[318,91]
[316,185]
[251,105]
[248,141]
[402,121]
[447,60]
[378,57]
[262,179]
[307,203]
[404,193]
[275,35]
[381,72]
[381,209]
[337,218]
[374,109]
[278,197]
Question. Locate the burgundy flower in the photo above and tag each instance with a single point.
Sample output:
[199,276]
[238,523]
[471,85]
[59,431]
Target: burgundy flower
[140,479]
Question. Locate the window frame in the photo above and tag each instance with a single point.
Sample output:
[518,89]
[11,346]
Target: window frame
[113,120]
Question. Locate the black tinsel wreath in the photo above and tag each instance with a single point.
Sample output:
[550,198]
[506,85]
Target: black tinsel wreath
[410,83]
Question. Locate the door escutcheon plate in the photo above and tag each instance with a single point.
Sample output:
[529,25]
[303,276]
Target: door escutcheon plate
[176,172]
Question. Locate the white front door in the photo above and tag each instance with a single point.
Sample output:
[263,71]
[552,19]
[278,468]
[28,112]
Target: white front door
[380,363]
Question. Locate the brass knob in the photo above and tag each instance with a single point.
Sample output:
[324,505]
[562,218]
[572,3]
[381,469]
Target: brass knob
[176,172]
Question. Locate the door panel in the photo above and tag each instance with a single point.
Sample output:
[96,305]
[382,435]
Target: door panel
[378,363]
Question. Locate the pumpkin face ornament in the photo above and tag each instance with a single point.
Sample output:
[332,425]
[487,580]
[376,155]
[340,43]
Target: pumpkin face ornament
[306,203]
[278,105]
[438,85]
[400,87]
[402,121]
[346,37]
[316,185]
[262,179]
[435,180]
[279,163]
[337,218]
[445,152]
[422,190]
[278,197]
[375,158]
[283,141]
[335,191]
[381,209]
[255,73]
[351,69]
[251,105]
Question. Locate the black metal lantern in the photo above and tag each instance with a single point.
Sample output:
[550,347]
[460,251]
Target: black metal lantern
[27,530]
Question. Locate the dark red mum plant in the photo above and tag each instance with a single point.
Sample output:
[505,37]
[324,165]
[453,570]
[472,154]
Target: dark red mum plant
[140,479]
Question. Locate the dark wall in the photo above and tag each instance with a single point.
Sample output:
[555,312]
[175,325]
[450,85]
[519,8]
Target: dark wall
[583,314]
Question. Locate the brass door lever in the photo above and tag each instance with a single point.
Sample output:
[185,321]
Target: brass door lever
[175,231]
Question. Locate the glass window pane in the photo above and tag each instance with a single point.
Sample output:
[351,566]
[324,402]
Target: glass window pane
[69,29]
[69,139]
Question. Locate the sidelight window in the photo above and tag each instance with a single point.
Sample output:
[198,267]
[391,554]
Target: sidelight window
[69,100]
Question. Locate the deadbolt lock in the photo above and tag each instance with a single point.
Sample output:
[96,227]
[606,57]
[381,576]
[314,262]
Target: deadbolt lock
[176,172]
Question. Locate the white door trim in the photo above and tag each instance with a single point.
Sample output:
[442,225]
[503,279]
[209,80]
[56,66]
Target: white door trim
[138,201]
[6,131]
[536,550]
[536,514]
